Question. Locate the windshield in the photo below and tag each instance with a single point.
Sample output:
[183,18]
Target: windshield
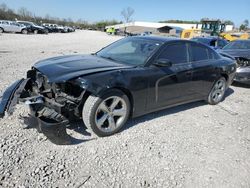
[130,50]
[238,45]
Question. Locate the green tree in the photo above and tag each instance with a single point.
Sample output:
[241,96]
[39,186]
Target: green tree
[228,22]
[244,25]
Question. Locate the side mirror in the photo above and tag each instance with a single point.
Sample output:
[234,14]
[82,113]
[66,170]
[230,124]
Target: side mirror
[163,63]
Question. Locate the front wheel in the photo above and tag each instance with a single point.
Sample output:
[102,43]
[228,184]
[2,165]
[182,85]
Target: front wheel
[1,30]
[217,93]
[106,115]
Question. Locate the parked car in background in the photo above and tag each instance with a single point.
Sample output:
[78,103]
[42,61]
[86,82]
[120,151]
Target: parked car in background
[69,29]
[62,29]
[10,26]
[240,50]
[56,28]
[129,78]
[214,42]
[50,27]
[34,28]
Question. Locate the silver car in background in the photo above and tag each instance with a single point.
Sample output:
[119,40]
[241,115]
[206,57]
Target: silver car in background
[10,26]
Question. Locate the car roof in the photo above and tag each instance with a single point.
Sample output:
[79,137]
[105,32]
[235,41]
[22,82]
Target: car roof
[6,21]
[209,38]
[24,21]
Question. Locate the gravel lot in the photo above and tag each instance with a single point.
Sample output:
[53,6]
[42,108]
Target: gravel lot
[194,145]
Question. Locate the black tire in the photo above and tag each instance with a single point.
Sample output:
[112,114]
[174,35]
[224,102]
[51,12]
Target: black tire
[24,31]
[217,92]
[91,109]
[1,30]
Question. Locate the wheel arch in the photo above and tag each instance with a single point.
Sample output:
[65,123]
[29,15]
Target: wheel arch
[24,29]
[225,76]
[122,89]
[130,97]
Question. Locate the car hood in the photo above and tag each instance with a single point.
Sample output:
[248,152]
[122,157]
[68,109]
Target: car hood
[238,53]
[63,68]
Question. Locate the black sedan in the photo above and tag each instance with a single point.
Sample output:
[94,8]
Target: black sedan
[34,28]
[240,50]
[129,78]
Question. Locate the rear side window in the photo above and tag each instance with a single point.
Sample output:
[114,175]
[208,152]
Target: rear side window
[176,53]
[200,53]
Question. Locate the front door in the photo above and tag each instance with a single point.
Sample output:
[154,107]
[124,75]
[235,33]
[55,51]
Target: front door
[171,84]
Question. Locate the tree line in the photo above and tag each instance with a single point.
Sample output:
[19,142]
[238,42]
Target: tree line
[24,14]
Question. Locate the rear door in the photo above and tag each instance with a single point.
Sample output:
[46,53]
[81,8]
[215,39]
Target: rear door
[171,85]
[12,27]
[15,27]
[203,60]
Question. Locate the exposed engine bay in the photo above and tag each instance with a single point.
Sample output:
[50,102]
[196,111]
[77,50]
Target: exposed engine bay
[51,105]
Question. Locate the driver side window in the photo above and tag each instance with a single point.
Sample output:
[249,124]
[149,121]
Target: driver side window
[175,53]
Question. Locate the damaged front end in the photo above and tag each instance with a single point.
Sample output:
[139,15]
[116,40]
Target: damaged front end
[52,105]
[243,70]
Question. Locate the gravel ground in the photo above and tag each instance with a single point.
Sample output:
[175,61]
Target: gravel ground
[194,145]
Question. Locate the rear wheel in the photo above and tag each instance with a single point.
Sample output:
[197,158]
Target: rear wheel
[24,31]
[1,30]
[107,114]
[217,93]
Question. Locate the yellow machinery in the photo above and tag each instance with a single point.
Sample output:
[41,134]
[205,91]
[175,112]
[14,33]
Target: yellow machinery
[208,28]
[235,36]
[190,33]
[111,31]
[212,28]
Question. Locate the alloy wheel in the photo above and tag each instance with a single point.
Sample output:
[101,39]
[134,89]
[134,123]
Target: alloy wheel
[111,114]
[218,90]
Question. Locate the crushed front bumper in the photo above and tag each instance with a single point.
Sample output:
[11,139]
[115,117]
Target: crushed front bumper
[10,97]
[54,130]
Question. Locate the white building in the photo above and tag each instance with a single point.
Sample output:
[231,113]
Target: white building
[154,25]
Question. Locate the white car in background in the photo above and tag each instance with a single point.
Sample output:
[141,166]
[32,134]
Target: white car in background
[10,26]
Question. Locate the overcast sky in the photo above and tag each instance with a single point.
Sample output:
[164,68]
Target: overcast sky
[151,10]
